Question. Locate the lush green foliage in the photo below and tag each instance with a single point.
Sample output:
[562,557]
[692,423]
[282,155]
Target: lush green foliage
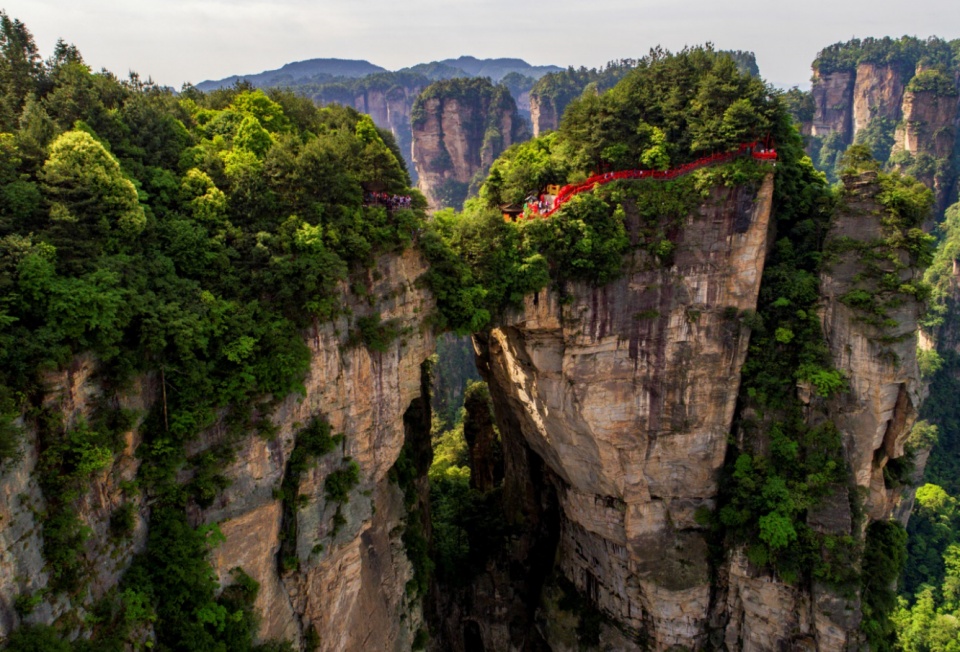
[940,275]
[904,53]
[799,103]
[697,99]
[468,524]
[667,109]
[479,266]
[453,369]
[193,237]
[933,81]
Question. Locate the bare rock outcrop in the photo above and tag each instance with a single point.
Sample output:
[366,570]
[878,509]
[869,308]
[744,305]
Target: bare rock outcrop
[460,126]
[833,104]
[877,93]
[543,115]
[627,393]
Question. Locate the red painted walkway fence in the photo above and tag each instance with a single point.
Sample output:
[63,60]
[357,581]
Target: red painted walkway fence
[755,149]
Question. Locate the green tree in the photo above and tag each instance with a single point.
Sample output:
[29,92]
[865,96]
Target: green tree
[91,201]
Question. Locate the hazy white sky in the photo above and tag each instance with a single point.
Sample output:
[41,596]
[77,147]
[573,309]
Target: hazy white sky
[177,41]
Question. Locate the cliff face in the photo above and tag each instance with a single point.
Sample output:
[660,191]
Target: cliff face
[24,571]
[878,105]
[627,394]
[877,92]
[880,363]
[833,102]
[543,115]
[459,128]
[928,130]
[348,582]
[874,419]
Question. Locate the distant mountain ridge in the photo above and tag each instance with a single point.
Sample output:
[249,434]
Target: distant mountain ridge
[326,70]
[497,69]
[291,73]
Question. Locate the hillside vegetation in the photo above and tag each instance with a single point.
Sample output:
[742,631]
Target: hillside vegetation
[192,236]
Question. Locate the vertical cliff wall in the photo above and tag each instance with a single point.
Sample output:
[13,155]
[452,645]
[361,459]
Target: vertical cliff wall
[877,93]
[345,573]
[833,102]
[905,110]
[459,127]
[627,394]
[873,416]
[543,114]
[928,134]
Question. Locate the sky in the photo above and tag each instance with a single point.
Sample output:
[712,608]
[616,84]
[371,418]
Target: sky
[177,41]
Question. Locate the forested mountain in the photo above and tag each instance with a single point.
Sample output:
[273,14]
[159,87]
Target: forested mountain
[311,70]
[317,72]
[697,426]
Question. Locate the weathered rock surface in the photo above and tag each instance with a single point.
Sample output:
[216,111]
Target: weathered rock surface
[73,392]
[833,104]
[627,393]
[543,115]
[877,93]
[876,415]
[457,135]
[923,124]
[929,129]
[349,585]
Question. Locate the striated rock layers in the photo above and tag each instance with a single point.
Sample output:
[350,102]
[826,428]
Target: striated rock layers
[348,583]
[879,104]
[627,394]
[833,103]
[544,115]
[927,132]
[460,126]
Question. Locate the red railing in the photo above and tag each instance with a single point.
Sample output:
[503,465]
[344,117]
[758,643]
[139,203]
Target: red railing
[756,149]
